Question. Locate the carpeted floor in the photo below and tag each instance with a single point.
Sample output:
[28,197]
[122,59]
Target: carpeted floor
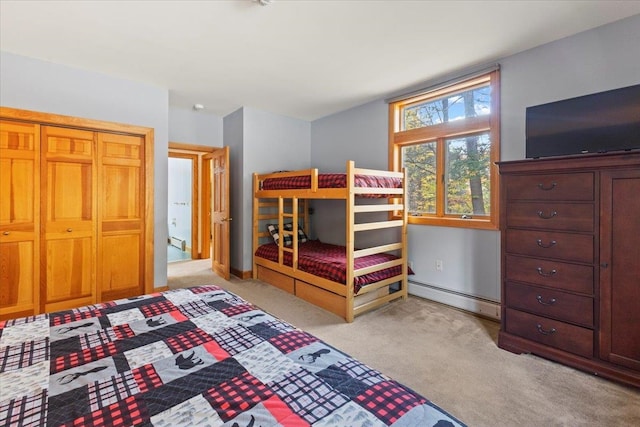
[449,356]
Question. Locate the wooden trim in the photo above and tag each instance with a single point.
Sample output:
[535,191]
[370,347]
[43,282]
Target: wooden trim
[191,147]
[244,275]
[73,122]
[444,130]
[149,222]
[438,134]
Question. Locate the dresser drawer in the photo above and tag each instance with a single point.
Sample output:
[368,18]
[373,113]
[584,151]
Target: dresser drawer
[554,274]
[551,216]
[553,333]
[545,244]
[550,303]
[569,187]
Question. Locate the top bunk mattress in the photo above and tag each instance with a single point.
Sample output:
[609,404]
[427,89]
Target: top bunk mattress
[330,180]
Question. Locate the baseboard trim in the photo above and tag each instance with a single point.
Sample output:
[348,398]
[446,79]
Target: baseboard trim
[244,275]
[478,306]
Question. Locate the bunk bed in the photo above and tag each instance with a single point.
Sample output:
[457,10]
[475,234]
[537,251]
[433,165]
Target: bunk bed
[318,272]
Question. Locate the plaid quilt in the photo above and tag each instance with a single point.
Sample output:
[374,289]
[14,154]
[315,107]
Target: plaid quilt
[190,357]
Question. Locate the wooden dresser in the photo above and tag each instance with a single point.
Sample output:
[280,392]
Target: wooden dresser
[571,261]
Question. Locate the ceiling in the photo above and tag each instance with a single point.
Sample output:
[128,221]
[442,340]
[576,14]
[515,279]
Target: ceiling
[303,59]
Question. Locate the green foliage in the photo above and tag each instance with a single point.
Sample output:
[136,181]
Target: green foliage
[467,159]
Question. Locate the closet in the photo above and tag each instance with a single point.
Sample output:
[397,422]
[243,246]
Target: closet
[76,224]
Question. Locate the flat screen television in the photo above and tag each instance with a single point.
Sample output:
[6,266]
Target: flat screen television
[596,123]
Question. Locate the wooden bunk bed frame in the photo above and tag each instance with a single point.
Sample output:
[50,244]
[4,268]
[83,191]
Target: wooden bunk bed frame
[292,206]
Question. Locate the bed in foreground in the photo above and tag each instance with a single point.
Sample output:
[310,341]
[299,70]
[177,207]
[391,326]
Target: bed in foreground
[187,357]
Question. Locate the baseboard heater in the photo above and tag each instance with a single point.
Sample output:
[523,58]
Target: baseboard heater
[178,243]
[481,306]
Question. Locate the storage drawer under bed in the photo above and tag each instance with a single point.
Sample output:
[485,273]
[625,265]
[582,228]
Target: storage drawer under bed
[279,280]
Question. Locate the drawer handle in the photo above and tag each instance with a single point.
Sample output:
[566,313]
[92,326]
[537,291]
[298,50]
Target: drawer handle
[5,233]
[542,187]
[549,274]
[69,230]
[543,332]
[542,245]
[543,302]
[543,216]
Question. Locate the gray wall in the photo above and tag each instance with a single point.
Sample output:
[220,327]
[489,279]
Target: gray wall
[31,84]
[195,127]
[357,134]
[233,137]
[603,58]
[270,142]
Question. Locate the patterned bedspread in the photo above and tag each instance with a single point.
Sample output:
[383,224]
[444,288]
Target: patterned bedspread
[330,180]
[190,357]
[329,261]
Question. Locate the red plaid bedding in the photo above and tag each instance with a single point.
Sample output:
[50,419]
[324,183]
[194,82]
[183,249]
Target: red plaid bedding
[329,261]
[190,357]
[330,180]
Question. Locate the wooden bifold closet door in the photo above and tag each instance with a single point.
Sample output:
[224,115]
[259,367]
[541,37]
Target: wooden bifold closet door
[68,210]
[121,220]
[19,218]
[76,212]
[92,245]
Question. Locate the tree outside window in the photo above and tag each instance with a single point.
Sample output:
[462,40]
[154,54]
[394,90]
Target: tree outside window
[447,141]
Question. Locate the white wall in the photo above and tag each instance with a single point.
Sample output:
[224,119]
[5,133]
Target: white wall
[596,60]
[32,84]
[179,200]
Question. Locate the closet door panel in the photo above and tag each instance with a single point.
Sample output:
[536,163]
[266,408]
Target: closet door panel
[69,269]
[69,218]
[121,216]
[121,270]
[19,219]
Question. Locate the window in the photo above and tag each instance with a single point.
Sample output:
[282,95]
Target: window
[448,142]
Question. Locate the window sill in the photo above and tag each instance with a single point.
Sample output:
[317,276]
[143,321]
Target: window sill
[482,224]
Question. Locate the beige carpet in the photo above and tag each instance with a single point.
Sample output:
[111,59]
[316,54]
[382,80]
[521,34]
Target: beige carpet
[447,355]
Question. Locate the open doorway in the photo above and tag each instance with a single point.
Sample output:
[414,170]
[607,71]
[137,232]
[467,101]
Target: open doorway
[208,187]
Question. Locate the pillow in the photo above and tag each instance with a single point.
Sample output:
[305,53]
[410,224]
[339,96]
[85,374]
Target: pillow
[288,239]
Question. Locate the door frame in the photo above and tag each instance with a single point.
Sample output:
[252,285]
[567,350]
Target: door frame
[204,224]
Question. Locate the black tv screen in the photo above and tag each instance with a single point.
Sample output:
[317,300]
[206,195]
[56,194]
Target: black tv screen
[596,123]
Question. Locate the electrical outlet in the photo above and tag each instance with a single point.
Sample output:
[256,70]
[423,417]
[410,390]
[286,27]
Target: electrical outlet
[439,265]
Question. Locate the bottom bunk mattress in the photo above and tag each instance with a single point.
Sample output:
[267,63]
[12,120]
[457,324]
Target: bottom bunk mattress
[190,357]
[329,261]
